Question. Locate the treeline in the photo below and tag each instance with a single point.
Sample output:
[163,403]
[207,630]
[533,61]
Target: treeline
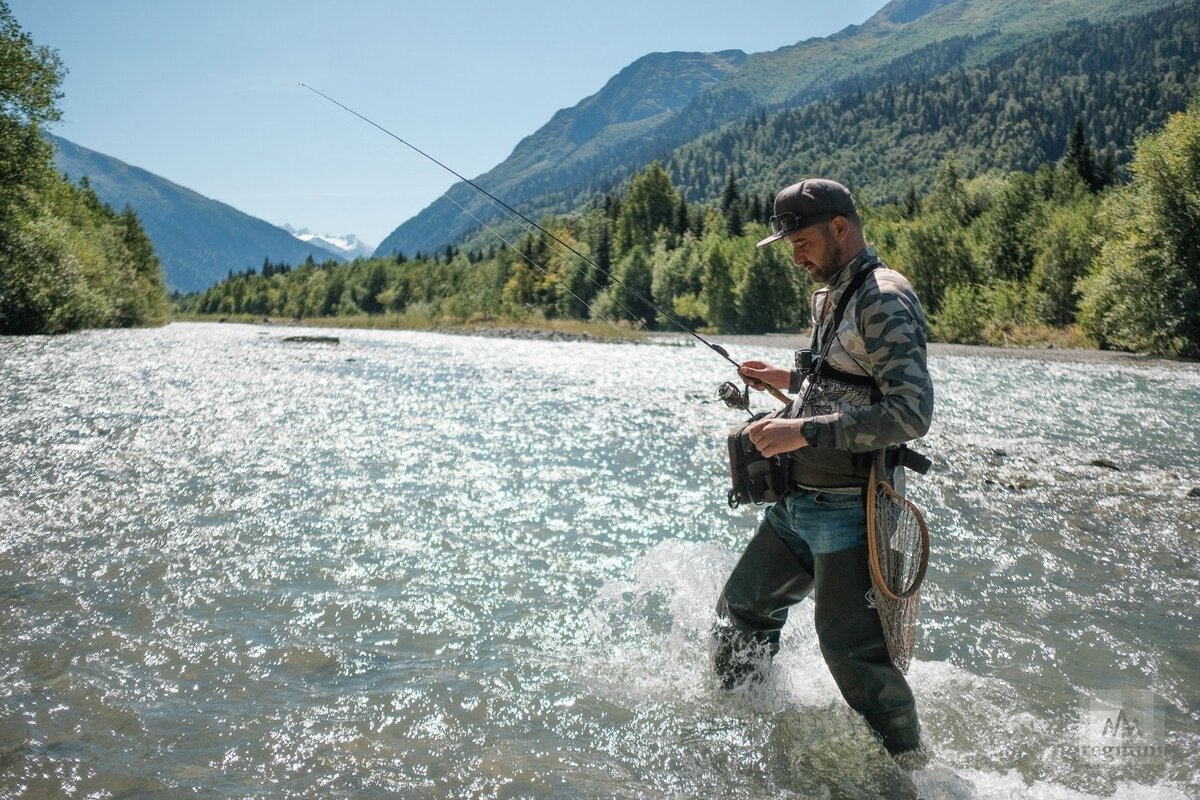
[67,260]
[616,261]
[992,256]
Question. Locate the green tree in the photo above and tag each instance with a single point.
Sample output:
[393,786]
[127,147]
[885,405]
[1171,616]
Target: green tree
[1143,292]
[932,251]
[67,260]
[768,296]
[376,283]
[631,293]
[718,285]
[731,206]
[949,197]
[649,206]
[29,94]
[1079,156]
[1005,231]
[1064,248]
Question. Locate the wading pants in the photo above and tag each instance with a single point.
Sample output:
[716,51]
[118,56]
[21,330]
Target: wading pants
[815,543]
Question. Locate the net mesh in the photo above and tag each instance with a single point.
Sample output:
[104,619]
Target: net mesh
[898,547]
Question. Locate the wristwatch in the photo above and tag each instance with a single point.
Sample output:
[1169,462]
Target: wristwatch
[809,429]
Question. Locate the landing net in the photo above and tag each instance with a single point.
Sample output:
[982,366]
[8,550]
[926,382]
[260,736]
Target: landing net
[898,551]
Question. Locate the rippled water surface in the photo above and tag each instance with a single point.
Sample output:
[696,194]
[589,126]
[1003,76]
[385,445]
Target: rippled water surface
[413,565]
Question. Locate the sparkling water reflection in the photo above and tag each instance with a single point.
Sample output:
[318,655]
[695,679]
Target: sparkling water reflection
[427,566]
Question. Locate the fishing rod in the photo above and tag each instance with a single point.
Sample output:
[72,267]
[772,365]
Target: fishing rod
[530,260]
[514,213]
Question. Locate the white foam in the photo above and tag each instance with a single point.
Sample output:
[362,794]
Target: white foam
[649,637]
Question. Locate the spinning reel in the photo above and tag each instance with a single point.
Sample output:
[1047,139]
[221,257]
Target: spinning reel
[738,399]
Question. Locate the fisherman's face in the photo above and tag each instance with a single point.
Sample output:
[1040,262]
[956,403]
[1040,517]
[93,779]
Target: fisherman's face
[817,251]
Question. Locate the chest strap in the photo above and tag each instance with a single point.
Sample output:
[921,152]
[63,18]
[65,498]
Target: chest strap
[827,370]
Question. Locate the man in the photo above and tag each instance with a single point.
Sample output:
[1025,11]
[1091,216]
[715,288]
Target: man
[871,390]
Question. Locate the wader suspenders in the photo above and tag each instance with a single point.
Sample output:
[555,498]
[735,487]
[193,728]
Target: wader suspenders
[826,370]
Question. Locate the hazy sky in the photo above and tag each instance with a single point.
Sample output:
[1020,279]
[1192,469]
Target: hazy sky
[206,94]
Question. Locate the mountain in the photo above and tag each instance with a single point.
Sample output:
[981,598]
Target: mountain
[198,240]
[627,109]
[587,150]
[889,135]
[349,246]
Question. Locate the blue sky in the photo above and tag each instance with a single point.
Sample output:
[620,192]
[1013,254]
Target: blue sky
[206,94]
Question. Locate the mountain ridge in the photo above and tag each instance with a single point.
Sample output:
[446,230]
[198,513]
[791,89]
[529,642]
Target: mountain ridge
[562,178]
[199,240]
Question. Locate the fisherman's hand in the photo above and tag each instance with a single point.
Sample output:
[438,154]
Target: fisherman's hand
[773,436]
[760,374]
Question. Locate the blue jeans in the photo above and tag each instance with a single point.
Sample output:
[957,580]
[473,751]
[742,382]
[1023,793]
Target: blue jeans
[825,522]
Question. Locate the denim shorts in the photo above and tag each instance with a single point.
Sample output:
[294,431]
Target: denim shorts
[826,522]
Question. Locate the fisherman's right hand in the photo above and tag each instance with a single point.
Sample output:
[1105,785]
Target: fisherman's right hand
[761,374]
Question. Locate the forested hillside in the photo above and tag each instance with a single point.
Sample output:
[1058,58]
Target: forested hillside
[67,260]
[549,172]
[1121,79]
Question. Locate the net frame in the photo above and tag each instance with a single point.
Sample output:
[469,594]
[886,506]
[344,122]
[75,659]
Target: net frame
[895,586]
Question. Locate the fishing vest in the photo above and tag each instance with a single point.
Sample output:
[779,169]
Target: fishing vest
[839,382]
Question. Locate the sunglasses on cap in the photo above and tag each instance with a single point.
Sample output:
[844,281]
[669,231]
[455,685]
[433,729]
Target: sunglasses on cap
[788,221]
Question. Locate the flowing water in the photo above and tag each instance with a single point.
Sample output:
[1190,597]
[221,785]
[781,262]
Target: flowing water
[412,565]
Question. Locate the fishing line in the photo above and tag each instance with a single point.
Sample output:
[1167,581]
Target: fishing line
[513,213]
[545,271]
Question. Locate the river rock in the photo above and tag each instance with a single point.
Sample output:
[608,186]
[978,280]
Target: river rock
[1195,492]
[312,339]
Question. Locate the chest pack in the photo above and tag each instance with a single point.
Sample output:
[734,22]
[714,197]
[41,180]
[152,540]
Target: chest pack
[756,479]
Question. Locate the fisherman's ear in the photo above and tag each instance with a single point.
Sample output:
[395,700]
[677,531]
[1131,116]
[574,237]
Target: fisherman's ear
[838,226]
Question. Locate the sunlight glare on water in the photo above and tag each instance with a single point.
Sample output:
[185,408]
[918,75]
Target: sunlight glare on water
[432,566]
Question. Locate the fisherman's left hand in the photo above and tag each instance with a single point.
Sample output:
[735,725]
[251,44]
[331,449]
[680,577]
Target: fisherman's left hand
[773,436]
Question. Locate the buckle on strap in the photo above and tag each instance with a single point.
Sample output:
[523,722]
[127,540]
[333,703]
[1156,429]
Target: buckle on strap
[902,456]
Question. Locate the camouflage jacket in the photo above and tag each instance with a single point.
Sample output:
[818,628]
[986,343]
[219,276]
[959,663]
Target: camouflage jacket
[882,334]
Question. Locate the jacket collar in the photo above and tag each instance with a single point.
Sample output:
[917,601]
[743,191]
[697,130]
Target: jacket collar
[866,257]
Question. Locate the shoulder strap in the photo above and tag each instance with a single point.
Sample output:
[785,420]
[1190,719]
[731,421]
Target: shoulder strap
[829,371]
[851,288]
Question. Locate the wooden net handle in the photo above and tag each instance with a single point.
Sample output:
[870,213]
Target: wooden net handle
[874,483]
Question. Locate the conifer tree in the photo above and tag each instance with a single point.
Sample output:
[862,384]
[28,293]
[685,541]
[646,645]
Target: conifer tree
[650,205]
[731,206]
[1079,156]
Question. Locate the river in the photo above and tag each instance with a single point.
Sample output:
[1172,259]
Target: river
[430,566]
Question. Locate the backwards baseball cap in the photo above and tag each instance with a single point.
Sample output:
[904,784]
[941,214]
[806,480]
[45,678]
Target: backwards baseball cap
[808,202]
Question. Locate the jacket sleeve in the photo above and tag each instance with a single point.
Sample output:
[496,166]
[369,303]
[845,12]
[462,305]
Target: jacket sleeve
[892,325]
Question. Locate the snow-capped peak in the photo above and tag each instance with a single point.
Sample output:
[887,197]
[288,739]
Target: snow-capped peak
[348,246]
